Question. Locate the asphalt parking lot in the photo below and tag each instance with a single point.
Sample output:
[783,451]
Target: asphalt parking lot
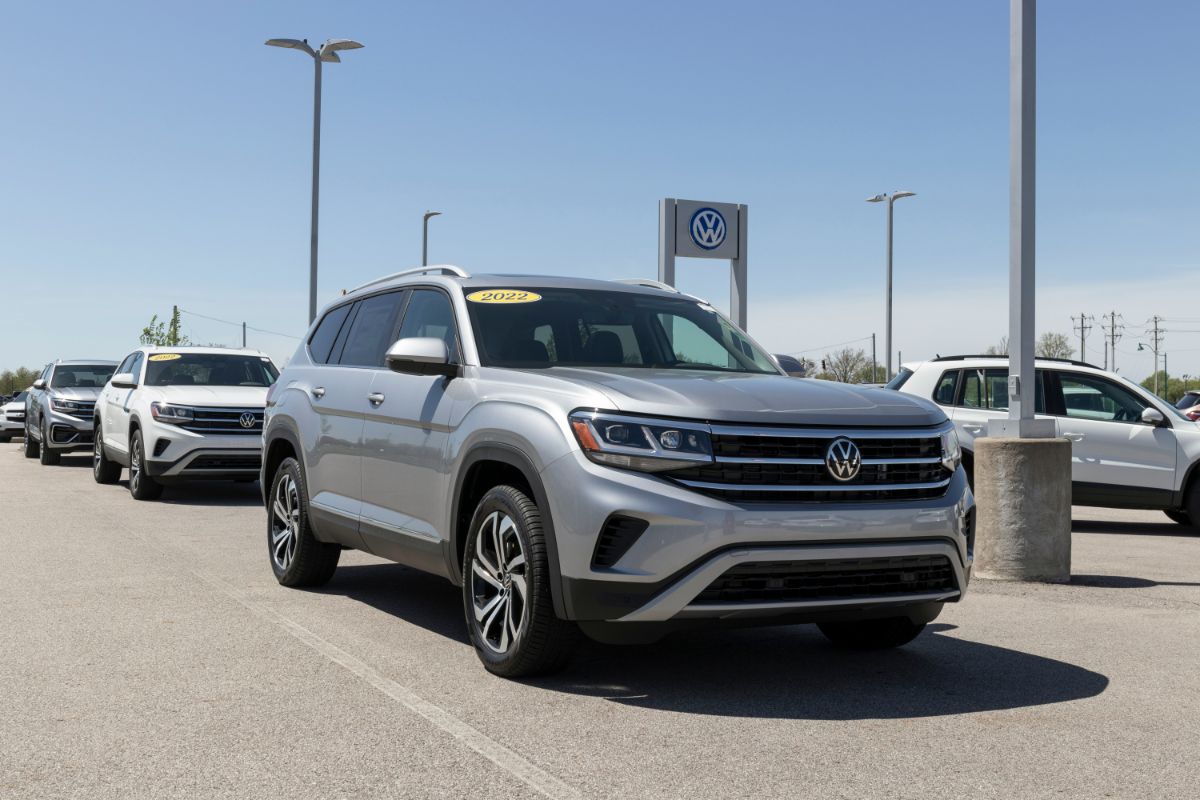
[148,653]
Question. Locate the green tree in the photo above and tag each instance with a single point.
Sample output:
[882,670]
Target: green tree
[164,333]
[1169,388]
[16,380]
[846,366]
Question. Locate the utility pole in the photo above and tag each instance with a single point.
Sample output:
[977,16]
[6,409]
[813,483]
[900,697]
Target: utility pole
[1113,329]
[243,335]
[1156,343]
[1166,377]
[1082,329]
[874,369]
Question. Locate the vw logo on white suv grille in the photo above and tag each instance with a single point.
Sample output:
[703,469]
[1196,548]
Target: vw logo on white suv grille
[708,228]
[247,419]
[843,460]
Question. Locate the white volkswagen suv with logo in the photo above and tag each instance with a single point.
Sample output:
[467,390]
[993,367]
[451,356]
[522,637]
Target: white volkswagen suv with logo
[1129,448]
[181,413]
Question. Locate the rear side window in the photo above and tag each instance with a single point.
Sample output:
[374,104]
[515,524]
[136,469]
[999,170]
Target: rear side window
[947,388]
[988,388]
[321,343]
[372,331]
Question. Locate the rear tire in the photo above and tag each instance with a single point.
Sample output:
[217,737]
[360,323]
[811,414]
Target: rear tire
[104,470]
[31,448]
[506,589]
[141,485]
[872,634]
[1191,504]
[49,457]
[297,557]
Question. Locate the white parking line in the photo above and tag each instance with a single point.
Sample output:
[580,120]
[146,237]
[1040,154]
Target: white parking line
[489,748]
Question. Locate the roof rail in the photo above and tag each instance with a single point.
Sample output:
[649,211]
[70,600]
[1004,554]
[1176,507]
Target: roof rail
[443,268]
[666,287]
[1005,357]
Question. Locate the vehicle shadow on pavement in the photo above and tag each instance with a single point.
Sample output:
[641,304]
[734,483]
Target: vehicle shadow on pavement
[783,672]
[210,493]
[1164,528]
[416,597]
[1124,582]
[794,673]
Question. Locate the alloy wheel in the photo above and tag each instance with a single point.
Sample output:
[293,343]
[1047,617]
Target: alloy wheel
[285,522]
[135,465]
[499,581]
[97,452]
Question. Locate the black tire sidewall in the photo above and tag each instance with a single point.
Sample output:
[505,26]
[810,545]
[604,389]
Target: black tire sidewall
[314,561]
[501,499]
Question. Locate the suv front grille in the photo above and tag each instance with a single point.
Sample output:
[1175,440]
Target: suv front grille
[219,463]
[792,581]
[781,465]
[225,421]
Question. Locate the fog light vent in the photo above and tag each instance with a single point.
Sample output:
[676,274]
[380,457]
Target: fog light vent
[616,537]
[161,446]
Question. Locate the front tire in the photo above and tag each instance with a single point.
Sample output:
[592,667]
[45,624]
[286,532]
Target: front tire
[49,457]
[141,485]
[872,634]
[104,470]
[506,589]
[297,557]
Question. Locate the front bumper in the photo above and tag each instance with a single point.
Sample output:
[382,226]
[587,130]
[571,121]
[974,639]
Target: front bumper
[172,452]
[691,540]
[67,432]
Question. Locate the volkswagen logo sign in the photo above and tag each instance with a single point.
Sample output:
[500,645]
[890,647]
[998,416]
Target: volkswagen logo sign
[247,419]
[843,460]
[708,228]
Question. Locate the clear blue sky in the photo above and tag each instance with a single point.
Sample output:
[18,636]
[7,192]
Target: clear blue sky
[157,153]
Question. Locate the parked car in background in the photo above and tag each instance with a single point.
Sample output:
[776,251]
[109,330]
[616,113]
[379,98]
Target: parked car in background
[791,365]
[1189,404]
[182,413]
[12,418]
[1129,448]
[58,407]
[615,457]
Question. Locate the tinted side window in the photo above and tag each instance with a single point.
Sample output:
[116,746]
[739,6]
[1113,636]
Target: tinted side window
[321,343]
[127,363]
[136,366]
[946,388]
[988,388]
[373,330]
[430,316]
[1091,397]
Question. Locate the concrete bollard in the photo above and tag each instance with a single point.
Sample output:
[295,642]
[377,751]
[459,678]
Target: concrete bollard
[1023,508]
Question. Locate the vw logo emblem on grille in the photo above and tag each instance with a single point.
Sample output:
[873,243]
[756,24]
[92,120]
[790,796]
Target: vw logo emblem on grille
[843,460]
[247,419]
[708,228]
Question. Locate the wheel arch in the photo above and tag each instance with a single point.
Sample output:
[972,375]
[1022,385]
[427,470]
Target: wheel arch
[486,466]
[279,444]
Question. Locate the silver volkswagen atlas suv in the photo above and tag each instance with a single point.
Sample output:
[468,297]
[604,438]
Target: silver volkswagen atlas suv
[59,405]
[611,457]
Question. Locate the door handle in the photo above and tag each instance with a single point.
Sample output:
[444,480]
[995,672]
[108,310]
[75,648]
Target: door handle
[375,397]
[1074,437]
[318,392]
[973,429]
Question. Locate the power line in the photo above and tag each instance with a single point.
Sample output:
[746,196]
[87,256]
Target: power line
[827,346]
[240,324]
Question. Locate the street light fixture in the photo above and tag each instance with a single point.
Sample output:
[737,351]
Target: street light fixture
[327,52]
[425,236]
[891,199]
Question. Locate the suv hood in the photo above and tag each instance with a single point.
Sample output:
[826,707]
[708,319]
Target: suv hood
[758,399]
[86,393]
[214,396]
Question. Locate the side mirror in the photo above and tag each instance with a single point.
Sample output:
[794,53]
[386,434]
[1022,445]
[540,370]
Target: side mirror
[124,380]
[420,356]
[1152,416]
[39,384]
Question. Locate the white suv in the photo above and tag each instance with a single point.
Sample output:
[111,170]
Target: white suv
[1129,449]
[178,413]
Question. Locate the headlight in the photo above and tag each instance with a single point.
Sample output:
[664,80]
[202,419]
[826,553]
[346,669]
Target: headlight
[649,445]
[164,412]
[951,451]
[65,405]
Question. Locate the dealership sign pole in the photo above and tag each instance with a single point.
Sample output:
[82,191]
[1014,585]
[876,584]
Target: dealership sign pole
[697,229]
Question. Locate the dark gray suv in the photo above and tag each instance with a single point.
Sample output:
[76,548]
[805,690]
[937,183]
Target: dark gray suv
[611,457]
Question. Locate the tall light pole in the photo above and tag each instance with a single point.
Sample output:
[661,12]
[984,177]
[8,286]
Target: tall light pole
[887,340]
[425,236]
[326,52]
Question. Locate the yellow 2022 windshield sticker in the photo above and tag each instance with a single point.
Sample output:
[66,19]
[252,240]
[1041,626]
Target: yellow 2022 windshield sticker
[504,296]
[165,356]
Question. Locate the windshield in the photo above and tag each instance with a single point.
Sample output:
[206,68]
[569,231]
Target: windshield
[1188,400]
[579,327]
[209,369]
[81,376]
